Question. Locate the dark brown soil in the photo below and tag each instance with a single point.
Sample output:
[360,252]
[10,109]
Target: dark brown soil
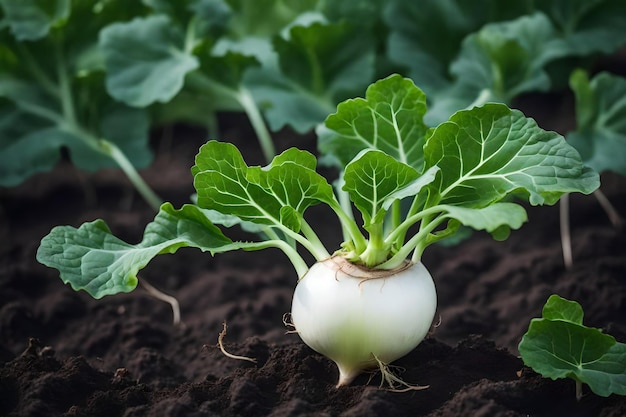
[64,353]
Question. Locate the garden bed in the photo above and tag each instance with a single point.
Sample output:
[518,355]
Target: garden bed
[67,354]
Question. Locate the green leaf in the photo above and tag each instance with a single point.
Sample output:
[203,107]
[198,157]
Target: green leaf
[226,184]
[562,348]
[492,151]
[497,219]
[588,26]
[600,136]
[426,36]
[30,20]
[371,179]
[558,308]
[389,119]
[145,59]
[54,98]
[500,62]
[317,66]
[90,258]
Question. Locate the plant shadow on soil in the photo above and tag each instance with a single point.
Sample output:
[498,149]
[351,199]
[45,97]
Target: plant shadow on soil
[64,353]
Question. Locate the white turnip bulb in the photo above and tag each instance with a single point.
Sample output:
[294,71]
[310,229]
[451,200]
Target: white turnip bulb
[363,318]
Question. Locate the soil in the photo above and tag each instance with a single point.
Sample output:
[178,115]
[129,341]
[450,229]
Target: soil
[63,353]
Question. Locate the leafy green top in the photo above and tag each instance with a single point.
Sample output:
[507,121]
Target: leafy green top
[457,173]
[558,345]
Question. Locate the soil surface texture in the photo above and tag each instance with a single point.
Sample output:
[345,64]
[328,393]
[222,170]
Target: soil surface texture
[63,353]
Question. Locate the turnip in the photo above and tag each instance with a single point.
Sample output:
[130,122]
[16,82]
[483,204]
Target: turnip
[363,318]
[371,301]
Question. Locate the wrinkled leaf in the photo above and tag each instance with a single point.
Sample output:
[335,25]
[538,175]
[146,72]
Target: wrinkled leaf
[389,119]
[226,184]
[372,178]
[90,258]
[489,152]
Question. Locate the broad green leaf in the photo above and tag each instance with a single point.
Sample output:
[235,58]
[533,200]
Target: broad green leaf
[264,18]
[25,152]
[588,26]
[371,178]
[389,119]
[500,62]
[54,97]
[498,218]
[426,36]
[600,136]
[560,348]
[90,258]
[317,66]
[226,184]
[30,20]
[489,152]
[146,60]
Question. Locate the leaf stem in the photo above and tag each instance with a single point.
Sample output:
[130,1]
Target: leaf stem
[294,257]
[258,124]
[65,91]
[245,100]
[122,161]
[309,233]
[616,219]
[566,238]
[400,256]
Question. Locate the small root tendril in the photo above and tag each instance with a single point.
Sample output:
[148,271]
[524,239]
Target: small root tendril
[394,382]
[220,342]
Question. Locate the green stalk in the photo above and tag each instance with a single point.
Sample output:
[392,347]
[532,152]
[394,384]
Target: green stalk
[104,146]
[65,91]
[377,251]
[243,97]
[294,257]
[258,124]
[142,187]
[397,259]
[349,225]
[312,237]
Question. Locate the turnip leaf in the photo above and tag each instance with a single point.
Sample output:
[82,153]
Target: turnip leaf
[560,346]
[146,60]
[90,258]
[316,66]
[30,20]
[497,219]
[389,119]
[426,36]
[226,184]
[587,27]
[600,136]
[372,178]
[489,152]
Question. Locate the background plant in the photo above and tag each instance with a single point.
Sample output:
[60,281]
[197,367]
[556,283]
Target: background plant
[281,63]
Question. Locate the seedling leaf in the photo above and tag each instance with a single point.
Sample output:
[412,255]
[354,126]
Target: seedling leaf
[560,346]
